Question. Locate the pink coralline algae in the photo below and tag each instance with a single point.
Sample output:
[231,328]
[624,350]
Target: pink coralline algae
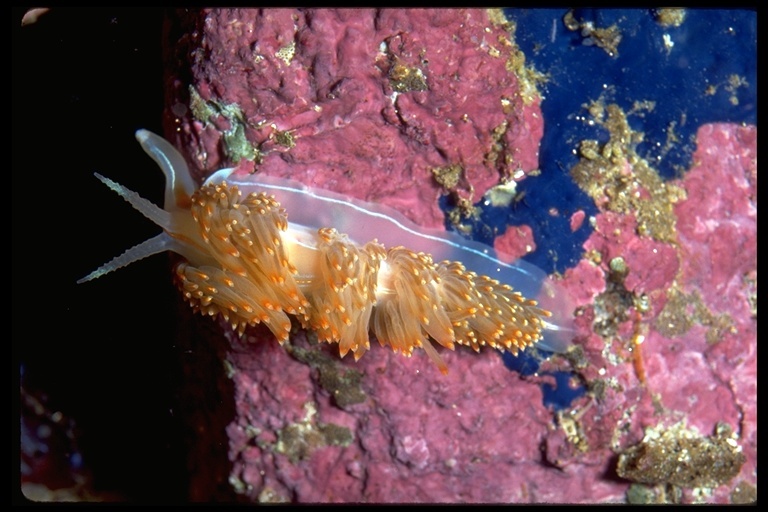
[672,334]
[363,102]
[403,431]
[515,243]
[374,104]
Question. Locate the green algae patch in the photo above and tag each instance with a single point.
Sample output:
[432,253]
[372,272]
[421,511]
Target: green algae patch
[682,457]
[299,440]
[236,144]
[343,384]
[619,180]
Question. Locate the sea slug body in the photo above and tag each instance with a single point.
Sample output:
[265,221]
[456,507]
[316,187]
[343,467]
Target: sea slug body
[245,261]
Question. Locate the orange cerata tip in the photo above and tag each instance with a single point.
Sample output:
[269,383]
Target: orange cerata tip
[244,261]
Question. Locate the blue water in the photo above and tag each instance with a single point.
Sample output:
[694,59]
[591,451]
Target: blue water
[690,81]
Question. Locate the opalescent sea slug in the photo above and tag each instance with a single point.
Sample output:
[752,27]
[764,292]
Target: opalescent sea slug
[257,249]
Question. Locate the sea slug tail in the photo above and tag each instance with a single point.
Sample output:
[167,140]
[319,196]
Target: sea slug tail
[559,329]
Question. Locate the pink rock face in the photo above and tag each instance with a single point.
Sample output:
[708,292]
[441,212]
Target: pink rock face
[716,225]
[515,243]
[414,434]
[363,102]
[370,103]
[697,361]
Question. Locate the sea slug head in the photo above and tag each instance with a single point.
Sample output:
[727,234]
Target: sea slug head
[180,233]
[213,229]
[179,185]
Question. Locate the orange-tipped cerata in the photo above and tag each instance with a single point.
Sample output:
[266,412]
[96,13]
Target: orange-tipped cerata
[403,297]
